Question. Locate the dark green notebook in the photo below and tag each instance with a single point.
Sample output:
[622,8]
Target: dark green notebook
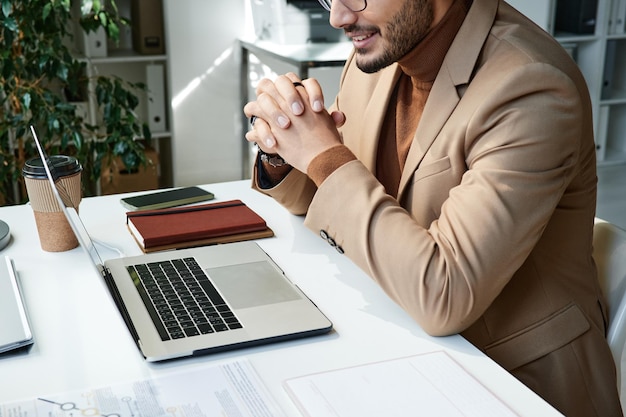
[168,198]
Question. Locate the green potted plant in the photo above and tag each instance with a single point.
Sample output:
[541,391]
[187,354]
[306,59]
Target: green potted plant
[40,76]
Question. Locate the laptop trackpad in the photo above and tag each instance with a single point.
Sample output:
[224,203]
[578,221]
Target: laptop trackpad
[252,284]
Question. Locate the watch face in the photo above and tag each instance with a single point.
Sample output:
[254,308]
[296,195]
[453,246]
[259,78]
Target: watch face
[273,160]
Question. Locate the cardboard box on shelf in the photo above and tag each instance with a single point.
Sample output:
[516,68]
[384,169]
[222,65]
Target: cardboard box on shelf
[115,178]
[147,27]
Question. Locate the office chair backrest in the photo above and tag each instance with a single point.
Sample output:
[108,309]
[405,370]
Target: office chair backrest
[609,253]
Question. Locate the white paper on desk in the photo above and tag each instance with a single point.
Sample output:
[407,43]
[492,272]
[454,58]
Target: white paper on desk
[228,390]
[431,384]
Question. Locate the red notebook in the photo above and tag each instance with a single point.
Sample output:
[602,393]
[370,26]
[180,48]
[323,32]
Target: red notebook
[182,227]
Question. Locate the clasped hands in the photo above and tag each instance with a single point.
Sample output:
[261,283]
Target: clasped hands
[290,120]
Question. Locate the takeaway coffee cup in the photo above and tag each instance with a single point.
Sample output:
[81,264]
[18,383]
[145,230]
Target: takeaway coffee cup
[55,233]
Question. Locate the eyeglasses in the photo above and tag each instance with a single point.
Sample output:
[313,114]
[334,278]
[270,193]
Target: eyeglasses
[354,5]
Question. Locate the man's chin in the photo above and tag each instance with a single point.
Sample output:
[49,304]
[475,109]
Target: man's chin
[369,65]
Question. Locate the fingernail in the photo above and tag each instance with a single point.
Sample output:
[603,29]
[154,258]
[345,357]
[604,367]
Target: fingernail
[317,105]
[269,142]
[283,121]
[297,108]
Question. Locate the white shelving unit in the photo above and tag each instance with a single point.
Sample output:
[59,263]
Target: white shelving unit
[601,55]
[154,105]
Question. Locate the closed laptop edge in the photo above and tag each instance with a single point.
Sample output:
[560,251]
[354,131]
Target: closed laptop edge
[15,331]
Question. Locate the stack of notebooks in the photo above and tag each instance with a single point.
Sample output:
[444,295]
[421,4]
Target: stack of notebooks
[205,224]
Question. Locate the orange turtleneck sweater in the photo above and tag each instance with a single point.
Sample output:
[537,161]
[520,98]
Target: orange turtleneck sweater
[419,70]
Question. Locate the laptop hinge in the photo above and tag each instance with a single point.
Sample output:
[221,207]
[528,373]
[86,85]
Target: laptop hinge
[117,298]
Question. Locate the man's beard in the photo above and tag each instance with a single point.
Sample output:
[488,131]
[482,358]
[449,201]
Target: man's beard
[403,33]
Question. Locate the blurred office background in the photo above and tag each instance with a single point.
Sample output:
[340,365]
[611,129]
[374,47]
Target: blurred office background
[204,61]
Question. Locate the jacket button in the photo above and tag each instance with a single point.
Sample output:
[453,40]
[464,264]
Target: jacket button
[324,234]
[339,249]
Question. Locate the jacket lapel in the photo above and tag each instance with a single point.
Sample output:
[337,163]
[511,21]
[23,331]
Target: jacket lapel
[374,117]
[455,71]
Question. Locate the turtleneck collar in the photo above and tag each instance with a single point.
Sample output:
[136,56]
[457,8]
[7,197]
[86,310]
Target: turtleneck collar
[423,62]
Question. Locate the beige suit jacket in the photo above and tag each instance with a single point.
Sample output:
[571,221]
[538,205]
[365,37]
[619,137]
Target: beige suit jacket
[491,233]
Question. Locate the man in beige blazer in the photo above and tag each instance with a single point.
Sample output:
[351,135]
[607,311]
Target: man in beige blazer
[486,228]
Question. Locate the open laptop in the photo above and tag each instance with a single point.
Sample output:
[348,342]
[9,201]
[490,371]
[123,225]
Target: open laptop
[15,332]
[228,296]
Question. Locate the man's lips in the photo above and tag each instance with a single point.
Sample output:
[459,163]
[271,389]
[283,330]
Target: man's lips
[361,40]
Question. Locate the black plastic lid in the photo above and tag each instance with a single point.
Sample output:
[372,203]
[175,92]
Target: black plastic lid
[63,165]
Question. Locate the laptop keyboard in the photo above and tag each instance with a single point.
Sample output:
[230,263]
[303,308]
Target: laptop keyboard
[181,299]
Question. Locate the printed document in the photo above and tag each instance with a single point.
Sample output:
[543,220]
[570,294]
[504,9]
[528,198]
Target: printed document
[229,390]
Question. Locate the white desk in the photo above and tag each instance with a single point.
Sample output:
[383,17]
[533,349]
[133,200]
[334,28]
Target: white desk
[81,340]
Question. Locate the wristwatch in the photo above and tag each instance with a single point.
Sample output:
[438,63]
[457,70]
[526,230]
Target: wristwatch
[274,160]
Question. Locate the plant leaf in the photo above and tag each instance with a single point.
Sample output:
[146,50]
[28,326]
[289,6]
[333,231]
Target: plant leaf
[46,10]
[86,7]
[26,99]
[7,8]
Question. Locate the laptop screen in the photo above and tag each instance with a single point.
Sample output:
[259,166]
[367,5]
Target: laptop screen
[70,211]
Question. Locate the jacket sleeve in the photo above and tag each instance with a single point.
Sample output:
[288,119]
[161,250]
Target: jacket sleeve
[294,192]
[516,147]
